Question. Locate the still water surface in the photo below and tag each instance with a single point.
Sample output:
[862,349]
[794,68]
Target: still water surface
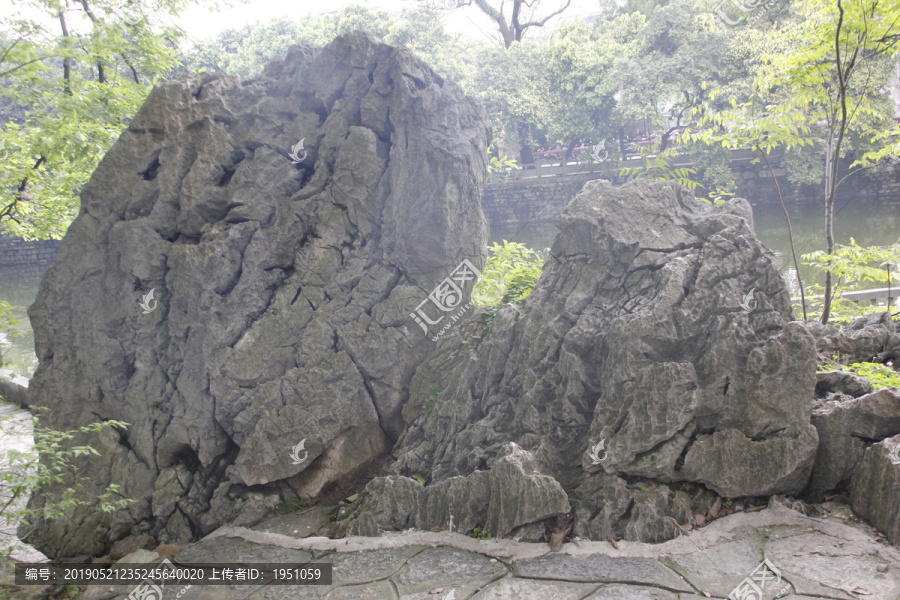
[876,222]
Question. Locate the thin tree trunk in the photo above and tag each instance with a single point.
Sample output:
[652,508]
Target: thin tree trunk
[569,150]
[833,159]
[526,157]
[790,232]
[67,62]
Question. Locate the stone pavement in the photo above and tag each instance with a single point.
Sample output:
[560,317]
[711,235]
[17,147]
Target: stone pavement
[835,557]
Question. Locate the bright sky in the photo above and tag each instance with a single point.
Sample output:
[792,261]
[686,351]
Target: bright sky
[201,24]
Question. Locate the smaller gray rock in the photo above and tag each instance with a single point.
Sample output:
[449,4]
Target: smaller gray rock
[845,430]
[13,392]
[840,382]
[870,338]
[875,494]
[128,545]
[139,557]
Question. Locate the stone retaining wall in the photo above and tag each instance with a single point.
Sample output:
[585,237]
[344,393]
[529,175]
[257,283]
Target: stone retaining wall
[22,258]
[507,205]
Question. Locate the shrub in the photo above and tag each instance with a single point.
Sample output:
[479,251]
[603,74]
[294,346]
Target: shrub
[21,473]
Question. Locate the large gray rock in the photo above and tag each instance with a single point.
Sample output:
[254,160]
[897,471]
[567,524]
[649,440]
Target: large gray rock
[641,334]
[875,494]
[284,285]
[846,429]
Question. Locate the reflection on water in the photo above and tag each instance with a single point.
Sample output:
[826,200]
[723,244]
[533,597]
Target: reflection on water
[875,222]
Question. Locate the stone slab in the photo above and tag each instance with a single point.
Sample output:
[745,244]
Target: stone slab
[529,589]
[599,568]
[236,550]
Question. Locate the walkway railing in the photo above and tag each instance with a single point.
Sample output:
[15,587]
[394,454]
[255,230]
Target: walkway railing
[546,169]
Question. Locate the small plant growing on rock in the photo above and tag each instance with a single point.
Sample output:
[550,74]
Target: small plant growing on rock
[511,273]
[294,504]
[428,405]
[419,478]
[480,534]
[881,376]
[21,473]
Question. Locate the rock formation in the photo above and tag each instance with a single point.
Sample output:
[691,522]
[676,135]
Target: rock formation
[653,364]
[847,427]
[238,286]
[247,286]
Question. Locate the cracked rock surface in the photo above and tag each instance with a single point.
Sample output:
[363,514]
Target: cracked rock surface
[283,275]
[661,328]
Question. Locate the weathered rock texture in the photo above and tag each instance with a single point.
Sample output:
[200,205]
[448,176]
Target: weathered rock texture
[875,495]
[841,382]
[871,338]
[513,493]
[284,285]
[635,336]
[846,429]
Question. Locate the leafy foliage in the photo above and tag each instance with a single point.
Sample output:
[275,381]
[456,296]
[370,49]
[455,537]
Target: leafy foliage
[74,74]
[480,534]
[428,405]
[853,266]
[511,273]
[22,473]
[497,168]
[881,376]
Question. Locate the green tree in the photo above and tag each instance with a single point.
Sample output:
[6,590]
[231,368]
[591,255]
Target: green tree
[823,86]
[79,72]
[53,460]
[515,17]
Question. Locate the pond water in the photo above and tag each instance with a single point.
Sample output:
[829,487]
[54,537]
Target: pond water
[875,222]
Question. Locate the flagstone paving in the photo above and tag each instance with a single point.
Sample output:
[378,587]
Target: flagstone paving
[835,557]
